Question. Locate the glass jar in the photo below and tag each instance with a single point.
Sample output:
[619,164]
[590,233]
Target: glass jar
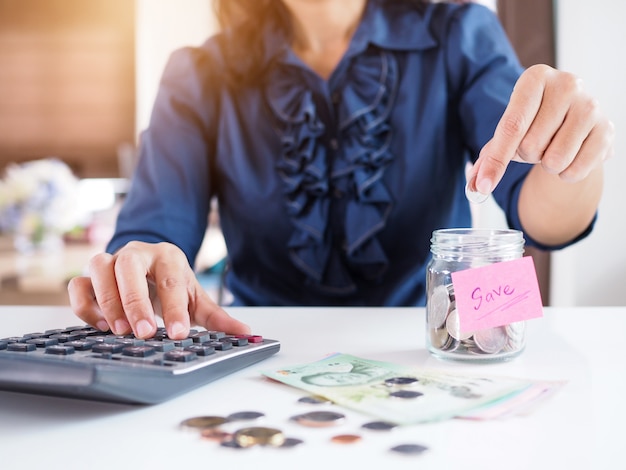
[456,250]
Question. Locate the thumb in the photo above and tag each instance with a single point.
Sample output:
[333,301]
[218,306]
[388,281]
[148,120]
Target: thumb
[488,169]
[213,317]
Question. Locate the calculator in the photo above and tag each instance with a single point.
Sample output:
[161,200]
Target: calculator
[86,363]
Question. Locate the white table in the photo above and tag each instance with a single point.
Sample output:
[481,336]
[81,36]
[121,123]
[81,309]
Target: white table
[580,427]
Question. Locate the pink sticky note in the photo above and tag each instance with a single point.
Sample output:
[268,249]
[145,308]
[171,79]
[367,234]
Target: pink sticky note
[497,294]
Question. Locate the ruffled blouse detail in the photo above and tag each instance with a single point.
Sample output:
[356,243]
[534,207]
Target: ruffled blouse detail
[309,172]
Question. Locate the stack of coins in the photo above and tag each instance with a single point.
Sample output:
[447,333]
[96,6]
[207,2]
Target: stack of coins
[445,338]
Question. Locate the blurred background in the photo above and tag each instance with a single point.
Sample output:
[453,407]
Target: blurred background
[77,83]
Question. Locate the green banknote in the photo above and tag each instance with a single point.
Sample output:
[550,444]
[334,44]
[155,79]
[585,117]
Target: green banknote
[396,393]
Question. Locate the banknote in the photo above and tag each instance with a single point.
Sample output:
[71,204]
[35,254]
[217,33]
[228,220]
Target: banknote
[397,393]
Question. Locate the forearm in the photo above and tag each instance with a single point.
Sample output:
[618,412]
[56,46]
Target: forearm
[553,211]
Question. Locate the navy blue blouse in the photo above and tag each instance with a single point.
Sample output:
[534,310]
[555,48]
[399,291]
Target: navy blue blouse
[328,190]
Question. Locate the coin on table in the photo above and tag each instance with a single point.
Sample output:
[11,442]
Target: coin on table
[379,426]
[401,381]
[203,422]
[291,442]
[406,394]
[438,306]
[314,400]
[491,340]
[319,418]
[345,438]
[245,416]
[258,435]
[216,435]
[409,449]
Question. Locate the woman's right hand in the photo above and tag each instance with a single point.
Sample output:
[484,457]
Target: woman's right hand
[124,292]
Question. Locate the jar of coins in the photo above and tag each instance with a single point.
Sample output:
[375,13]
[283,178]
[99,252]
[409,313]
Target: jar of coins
[456,250]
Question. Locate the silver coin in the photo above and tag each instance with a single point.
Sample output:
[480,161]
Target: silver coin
[474,196]
[314,400]
[319,418]
[453,325]
[400,381]
[409,449]
[245,415]
[438,306]
[438,337]
[405,394]
[491,340]
[290,442]
[379,426]
[516,333]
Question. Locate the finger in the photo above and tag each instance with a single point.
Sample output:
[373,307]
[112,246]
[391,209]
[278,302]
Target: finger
[554,110]
[101,269]
[518,116]
[132,267]
[208,314]
[593,151]
[568,140]
[173,279]
[83,303]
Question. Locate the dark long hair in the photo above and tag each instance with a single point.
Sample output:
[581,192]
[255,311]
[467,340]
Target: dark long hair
[242,23]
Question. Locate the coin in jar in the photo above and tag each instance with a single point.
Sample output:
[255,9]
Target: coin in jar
[319,418]
[258,435]
[203,422]
[453,325]
[439,337]
[491,340]
[345,438]
[438,306]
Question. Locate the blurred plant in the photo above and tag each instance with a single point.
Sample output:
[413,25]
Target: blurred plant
[38,199]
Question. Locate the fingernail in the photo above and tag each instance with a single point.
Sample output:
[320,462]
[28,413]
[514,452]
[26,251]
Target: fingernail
[102,325]
[121,327]
[176,329]
[143,328]
[484,186]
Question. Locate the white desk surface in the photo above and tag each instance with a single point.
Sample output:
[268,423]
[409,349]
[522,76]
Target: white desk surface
[579,427]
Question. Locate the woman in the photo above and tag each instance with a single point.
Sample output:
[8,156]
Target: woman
[335,135]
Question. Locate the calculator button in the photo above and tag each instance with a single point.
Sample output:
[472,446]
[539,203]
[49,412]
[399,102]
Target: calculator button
[130,341]
[217,334]
[200,349]
[111,348]
[237,341]
[221,345]
[60,350]
[201,337]
[65,337]
[251,338]
[138,351]
[43,342]
[3,345]
[21,347]
[81,344]
[183,343]
[180,356]
[161,346]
